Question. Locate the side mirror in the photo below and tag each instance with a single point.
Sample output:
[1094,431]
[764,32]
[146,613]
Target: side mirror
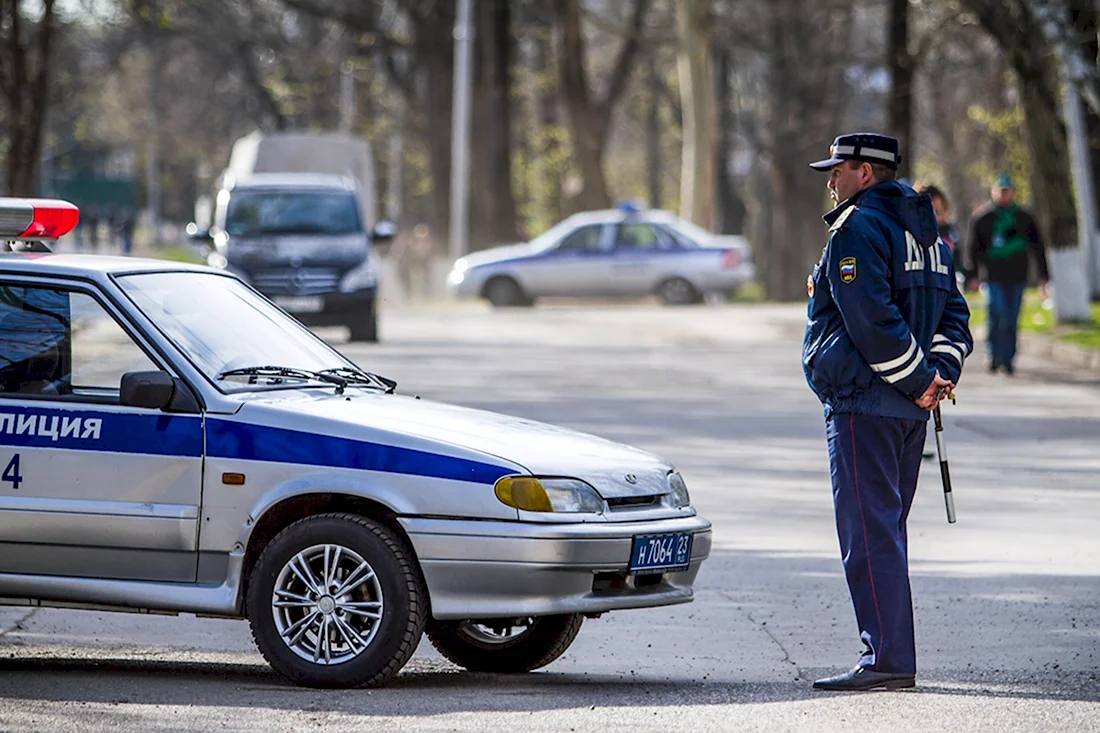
[384,231]
[195,232]
[147,389]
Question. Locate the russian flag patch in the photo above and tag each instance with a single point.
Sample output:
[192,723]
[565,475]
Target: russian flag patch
[848,269]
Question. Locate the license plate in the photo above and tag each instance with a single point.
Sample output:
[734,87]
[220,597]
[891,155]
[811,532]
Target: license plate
[300,303]
[660,552]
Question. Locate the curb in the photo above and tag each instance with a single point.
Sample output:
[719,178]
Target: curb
[1060,351]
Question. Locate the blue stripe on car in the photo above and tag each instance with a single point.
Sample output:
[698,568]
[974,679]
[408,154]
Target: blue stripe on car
[157,434]
[227,439]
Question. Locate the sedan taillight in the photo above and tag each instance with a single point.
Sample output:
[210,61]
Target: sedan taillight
[731,259]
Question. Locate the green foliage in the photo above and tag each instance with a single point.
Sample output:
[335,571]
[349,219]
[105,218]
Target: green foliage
[1007,127]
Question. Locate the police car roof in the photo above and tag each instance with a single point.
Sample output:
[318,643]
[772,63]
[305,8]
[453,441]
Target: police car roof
[89,266]
[604,216]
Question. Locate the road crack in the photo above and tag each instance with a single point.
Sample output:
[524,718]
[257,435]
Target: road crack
[763,626]
[19,623]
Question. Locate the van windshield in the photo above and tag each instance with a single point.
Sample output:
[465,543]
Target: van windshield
[258,212]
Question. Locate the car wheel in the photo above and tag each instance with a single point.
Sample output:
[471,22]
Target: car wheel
[336,600]
[504,292]
[505,645]
[677,291]
[364,327]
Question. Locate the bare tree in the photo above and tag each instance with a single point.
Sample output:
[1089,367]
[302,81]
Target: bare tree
[25,58]
[590,117]
[1017,30]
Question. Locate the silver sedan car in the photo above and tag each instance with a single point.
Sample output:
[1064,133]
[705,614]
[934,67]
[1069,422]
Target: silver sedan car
[612,253]
[171,441]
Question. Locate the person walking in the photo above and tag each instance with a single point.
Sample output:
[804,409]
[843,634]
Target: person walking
[1002,234]
[887,335]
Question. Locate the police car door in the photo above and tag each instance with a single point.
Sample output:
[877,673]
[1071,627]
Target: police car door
[636,258]
[88,487]
[575,266]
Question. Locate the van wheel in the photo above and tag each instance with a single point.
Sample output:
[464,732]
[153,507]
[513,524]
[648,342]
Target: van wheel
[504,292]
[505,645]
[335,600]
[364,327]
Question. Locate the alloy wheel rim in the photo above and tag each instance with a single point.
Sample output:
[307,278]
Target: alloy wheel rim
[327,604]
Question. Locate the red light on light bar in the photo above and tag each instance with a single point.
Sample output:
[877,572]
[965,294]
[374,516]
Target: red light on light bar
[52,218]
[36,218]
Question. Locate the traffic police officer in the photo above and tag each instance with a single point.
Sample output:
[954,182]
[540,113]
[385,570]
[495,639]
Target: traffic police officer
[887,335]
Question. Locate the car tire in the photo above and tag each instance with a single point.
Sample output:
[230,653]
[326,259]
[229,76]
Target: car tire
[677,291]
[364,327]
[478,647]
[336,549]
[504,292]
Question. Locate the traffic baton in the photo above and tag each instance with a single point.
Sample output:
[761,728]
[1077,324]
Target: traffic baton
[945,472]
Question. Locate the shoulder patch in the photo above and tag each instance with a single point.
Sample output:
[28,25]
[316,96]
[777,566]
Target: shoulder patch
[842,218]
[848,269]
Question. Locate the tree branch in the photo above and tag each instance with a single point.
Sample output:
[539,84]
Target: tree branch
[624,65]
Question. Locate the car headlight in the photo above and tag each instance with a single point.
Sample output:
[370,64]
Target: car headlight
[461,265]
[561,495]
[362,277]
[678,490]
[455,277]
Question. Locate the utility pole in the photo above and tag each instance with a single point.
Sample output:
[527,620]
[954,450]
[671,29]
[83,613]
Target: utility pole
[460,131]
[347,87]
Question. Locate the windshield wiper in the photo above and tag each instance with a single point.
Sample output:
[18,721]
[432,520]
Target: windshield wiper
[353,374]
[288,372]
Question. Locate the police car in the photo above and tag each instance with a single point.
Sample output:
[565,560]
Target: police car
[623,252]
[171,441]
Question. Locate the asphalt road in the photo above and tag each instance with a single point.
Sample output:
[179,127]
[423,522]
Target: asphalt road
[1007,600]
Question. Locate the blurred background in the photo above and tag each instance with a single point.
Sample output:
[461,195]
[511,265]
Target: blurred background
[708,108]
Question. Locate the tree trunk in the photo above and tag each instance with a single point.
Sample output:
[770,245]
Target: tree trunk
[731,208]
[653,133]
[493,219]
[900,104]
[695,27]
[24,81]
[435,53]
[806,43]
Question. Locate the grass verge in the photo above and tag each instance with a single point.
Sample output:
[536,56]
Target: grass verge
[1038,317]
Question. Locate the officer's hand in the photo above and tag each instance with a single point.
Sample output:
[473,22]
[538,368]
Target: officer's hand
[936,391]
[972,284]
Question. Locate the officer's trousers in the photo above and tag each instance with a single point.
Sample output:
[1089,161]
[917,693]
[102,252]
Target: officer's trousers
[874,462]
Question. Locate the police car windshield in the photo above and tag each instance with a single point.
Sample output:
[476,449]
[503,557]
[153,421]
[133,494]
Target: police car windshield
[222,325]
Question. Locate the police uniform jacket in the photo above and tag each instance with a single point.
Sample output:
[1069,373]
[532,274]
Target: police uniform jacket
[884,311]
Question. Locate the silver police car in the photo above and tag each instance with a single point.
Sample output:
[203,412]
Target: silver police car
[172,441]
[623,252]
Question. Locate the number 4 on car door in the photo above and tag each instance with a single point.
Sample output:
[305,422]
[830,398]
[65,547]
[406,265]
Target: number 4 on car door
[11,473]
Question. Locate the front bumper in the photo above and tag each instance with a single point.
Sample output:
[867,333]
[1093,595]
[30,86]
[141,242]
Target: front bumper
[338,308]
[479,570]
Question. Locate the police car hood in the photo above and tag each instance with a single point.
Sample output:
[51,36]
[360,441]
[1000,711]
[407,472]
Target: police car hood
[908,208]
[541,448]
[501,254]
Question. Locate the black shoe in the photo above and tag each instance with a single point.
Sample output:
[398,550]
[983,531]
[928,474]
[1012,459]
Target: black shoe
[928,453]
[993,366]
[1009,369]
[863,678]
